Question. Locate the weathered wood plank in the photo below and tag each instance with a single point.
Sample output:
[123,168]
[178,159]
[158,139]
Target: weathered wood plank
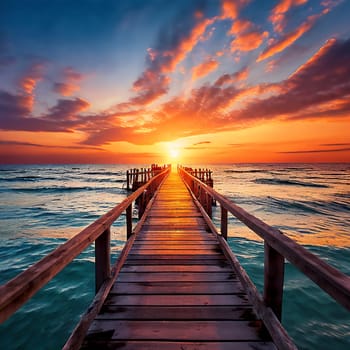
[186,231]
[177,330]
[177,268]
[202,313]
[211,245]
[175,226]
[182,345]
[155,251]
[174,214]
[178,300]
[234,287]
[180,235]
[179,257]
[187,260]
[173,221]
[173,242]
[176,276]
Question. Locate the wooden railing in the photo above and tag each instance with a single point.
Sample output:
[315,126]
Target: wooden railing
[277,248]
[202,174]
[21,288]
[135,178]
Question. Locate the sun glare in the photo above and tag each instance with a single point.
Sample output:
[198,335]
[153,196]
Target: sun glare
[174,153]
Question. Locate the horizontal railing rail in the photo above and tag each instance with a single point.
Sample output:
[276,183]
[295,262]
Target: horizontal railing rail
[277,248]
[21,288]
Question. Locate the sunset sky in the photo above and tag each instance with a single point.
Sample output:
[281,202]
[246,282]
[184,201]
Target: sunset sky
[144,81]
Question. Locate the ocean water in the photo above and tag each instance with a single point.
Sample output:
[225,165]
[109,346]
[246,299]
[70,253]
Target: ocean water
[43,206]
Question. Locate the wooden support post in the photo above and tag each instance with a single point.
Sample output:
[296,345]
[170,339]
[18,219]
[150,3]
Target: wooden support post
[128,221]
[127,180]
[102,258]
[142,204]
[224,223]
[273,279]
[209,208]
[201,196]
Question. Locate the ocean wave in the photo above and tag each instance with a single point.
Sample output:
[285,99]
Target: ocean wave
[329,208]
[112,180]
[345,195]
[334,206]
[51,190]
[106,173]
[246,171]
[30,178]
[292,205]
[297,168]
[266,181]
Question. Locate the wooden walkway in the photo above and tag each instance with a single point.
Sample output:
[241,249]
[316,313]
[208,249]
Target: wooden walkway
[176,289]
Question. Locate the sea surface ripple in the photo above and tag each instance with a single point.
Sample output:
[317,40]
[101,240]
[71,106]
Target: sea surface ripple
[43,206]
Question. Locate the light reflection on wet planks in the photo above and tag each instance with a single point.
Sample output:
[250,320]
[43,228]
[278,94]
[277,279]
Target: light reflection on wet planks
[176,289]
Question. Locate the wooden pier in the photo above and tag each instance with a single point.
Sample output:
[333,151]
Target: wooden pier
[176,283]
[176,289]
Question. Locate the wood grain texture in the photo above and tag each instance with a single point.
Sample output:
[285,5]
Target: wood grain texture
[180,345]
[174,288]
[208,313]
[177,330]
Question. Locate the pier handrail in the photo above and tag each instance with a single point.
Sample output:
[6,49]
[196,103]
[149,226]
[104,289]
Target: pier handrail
[277,248]
[139,177]
[21,288]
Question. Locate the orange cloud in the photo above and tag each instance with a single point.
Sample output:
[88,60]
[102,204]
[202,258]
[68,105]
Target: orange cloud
[247,38]
[248,41]
[69,86]
[240,26]
[28,84]
[318,89]
[288,39]
[150,86]
[278,14]
[65,89]
[186,45]
[204,68]
[230,9]
[154,81]
[30,79]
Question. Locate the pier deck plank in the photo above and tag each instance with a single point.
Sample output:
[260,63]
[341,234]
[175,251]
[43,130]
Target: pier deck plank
[176,289]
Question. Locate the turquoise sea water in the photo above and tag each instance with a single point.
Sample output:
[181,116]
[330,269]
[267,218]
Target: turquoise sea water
[42,206]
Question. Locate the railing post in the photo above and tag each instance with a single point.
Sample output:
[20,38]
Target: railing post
[209,208]
[201,197]
[273,279]
[142,203]
[127,180]
[102,258]
[224,222]
[128,221]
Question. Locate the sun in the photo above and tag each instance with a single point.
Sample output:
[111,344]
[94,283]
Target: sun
[174,153]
